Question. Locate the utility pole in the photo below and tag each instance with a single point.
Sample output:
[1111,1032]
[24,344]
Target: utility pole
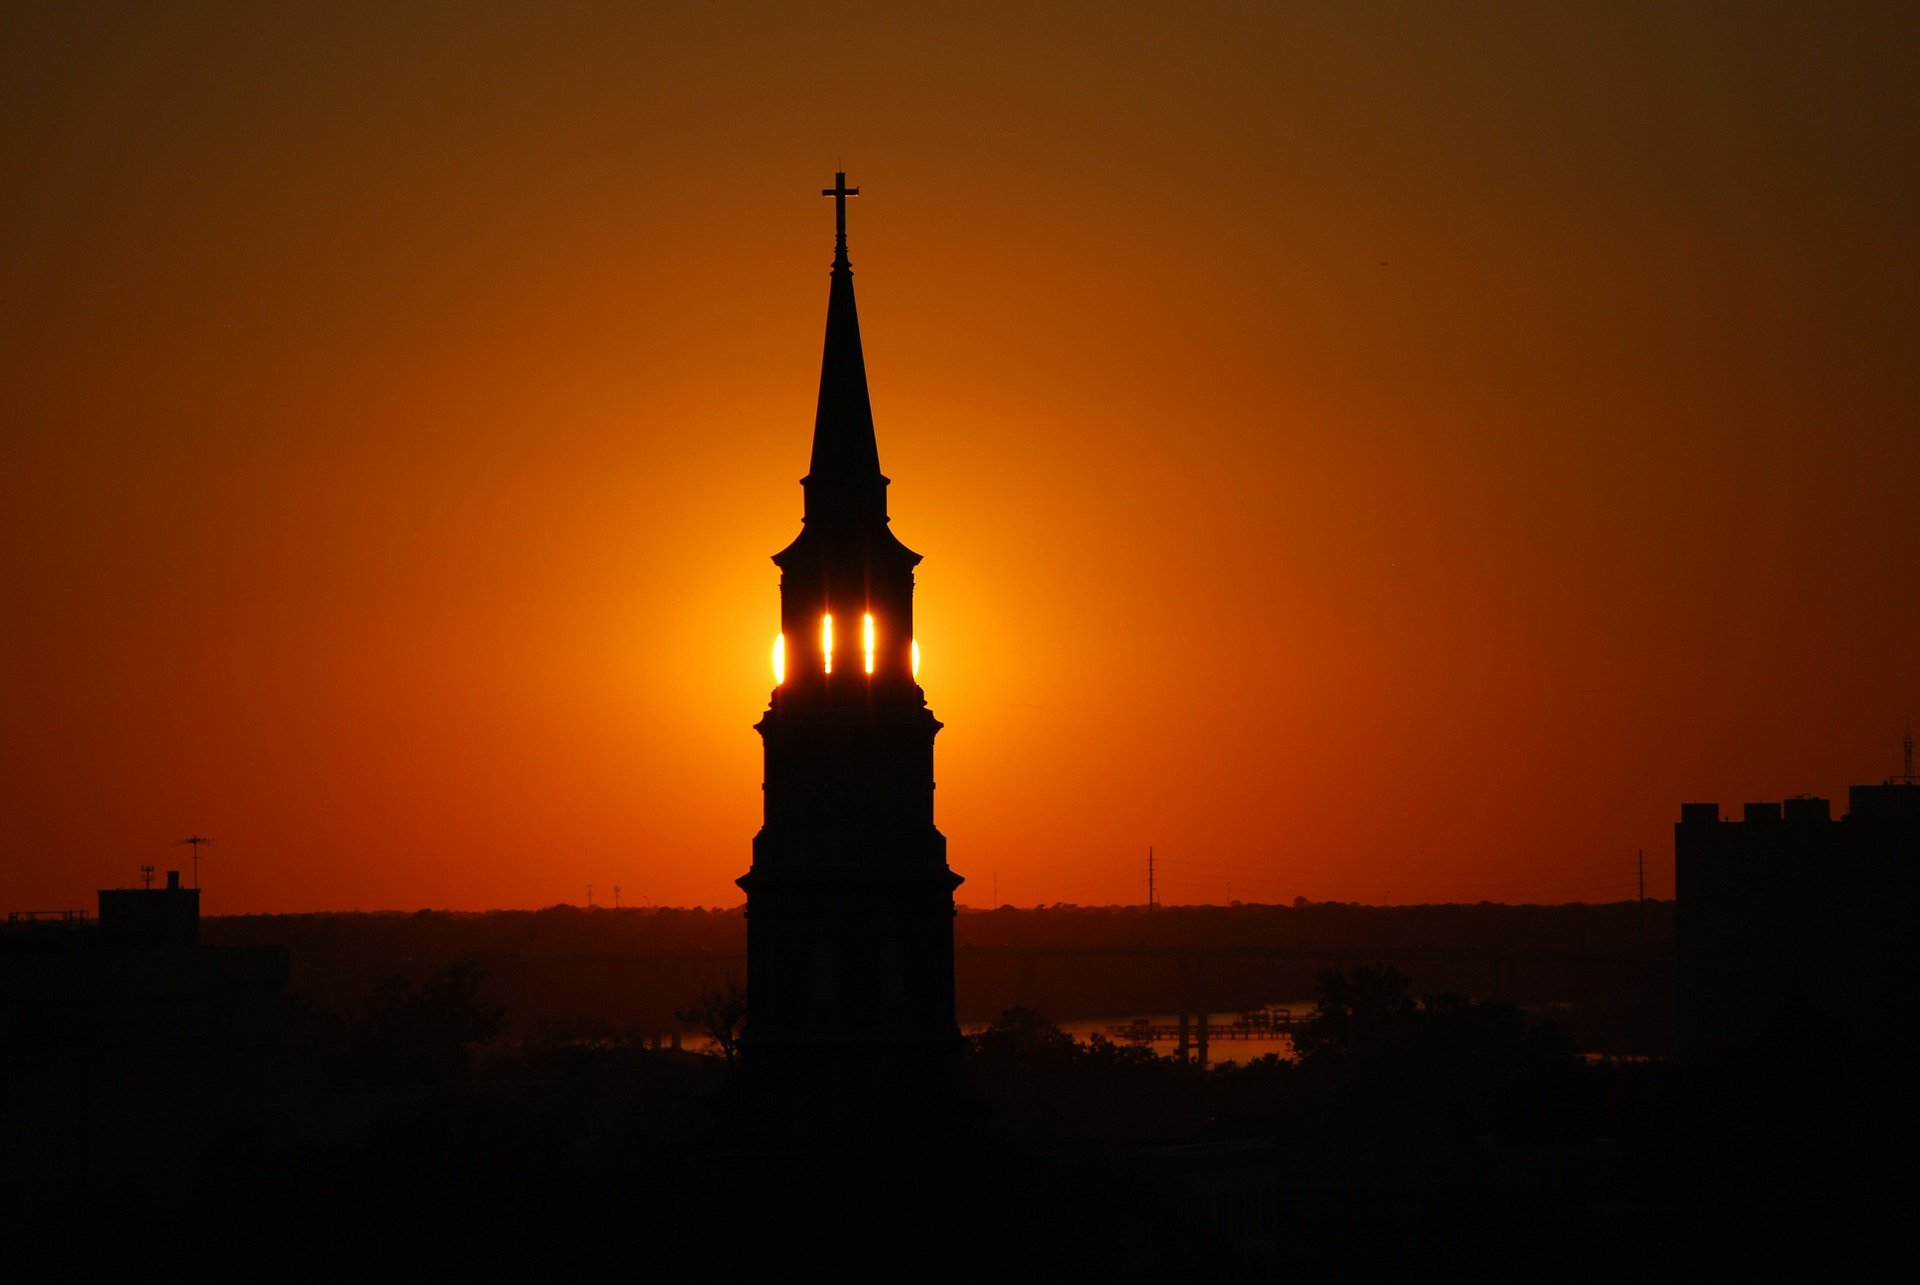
[195,840]
[616,896]
[1150,901]
[146,877]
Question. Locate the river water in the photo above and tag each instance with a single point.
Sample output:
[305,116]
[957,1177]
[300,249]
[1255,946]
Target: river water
[1244,1047]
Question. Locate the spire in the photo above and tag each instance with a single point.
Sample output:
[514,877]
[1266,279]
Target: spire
[843,478]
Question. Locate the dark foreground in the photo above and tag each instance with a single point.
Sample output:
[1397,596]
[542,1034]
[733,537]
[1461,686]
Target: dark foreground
[1446,1135]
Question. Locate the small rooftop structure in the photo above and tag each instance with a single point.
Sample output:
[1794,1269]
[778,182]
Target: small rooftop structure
[150,918]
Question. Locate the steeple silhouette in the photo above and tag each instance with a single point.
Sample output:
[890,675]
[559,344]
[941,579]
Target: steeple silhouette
[849,901]
[843,482]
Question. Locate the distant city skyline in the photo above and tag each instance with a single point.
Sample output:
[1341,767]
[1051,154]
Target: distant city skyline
[1389,454]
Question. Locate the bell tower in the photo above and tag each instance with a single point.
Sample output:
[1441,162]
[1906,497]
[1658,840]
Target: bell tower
[849,900]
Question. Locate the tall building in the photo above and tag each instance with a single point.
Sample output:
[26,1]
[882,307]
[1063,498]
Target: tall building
[849,900]
[1791,925]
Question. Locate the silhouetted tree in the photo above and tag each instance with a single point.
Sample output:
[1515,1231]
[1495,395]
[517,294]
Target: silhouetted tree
[1020,1037]
[1357,1012]
[423,1036]
[718,1012]
[1434,1065]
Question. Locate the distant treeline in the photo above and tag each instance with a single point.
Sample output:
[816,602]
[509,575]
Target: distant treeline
[1608,967]
[573,930]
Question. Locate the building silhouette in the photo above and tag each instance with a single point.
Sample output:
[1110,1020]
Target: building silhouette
[127,1046]
[849,898]
[1790,925]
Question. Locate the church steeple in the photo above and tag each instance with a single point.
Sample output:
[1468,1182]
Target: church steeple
[843,483]
[849,901]
[846,581]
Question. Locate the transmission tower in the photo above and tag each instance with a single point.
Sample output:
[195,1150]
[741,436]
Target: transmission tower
[1906,776]
[194,841]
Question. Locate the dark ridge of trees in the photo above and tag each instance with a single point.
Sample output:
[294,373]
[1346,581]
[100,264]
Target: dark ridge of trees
[335,936]
[1608,966]
[1640,927]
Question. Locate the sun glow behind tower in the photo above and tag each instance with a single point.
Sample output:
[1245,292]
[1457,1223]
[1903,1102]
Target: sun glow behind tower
[866,630]
[779,659]
[826,640]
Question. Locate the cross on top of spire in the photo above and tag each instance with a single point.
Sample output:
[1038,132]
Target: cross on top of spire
[840,192]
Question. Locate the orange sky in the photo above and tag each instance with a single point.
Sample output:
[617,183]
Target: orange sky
[1364,451]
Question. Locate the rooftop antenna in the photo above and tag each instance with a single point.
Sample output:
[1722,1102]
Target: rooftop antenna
[589,896]
[1906,776]
[616,896]
[146,877]
[194,841]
